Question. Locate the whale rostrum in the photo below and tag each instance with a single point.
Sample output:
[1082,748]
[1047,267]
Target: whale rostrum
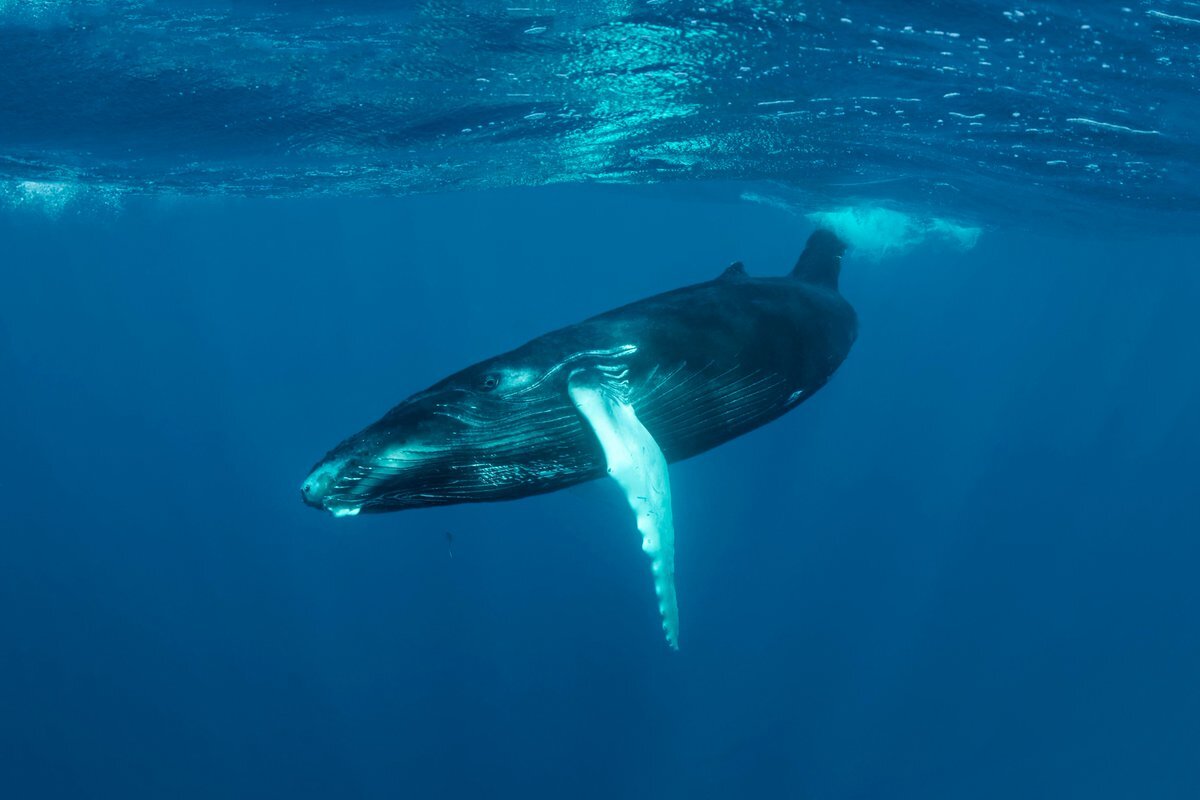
[621,394]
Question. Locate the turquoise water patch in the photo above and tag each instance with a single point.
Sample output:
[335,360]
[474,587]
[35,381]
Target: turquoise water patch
[982,112]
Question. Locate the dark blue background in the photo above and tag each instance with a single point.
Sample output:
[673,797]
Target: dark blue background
[967,568]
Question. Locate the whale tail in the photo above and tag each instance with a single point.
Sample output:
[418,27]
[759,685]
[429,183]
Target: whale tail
[821,261]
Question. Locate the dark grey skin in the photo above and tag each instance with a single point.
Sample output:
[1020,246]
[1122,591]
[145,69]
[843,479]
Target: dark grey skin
[703,364]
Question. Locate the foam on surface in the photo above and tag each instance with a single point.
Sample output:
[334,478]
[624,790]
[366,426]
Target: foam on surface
[876,232]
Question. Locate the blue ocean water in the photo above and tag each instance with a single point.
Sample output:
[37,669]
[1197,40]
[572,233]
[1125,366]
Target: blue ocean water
[234,232]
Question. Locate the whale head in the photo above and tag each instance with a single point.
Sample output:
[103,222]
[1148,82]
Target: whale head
[495,430]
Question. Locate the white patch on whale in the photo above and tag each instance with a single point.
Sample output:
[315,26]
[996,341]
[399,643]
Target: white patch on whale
[636,462]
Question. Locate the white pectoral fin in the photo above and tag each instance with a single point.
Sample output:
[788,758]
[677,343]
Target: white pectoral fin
[637,464]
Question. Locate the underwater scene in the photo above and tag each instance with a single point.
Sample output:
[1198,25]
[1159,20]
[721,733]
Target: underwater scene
[599,399]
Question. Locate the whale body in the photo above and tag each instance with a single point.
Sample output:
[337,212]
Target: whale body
[622,394]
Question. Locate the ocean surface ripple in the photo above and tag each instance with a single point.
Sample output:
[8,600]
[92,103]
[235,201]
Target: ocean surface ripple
[985,111]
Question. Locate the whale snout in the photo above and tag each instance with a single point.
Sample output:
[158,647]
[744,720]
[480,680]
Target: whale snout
[312,492]
[319,491]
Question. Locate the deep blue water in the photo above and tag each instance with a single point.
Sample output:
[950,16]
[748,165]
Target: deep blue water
[966,568]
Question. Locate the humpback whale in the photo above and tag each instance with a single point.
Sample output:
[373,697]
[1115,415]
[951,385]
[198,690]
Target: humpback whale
[621,394]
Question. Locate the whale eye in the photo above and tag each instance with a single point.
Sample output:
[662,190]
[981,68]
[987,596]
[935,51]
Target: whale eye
[489,382]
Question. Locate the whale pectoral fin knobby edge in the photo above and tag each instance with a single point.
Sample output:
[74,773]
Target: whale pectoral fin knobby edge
[637,464]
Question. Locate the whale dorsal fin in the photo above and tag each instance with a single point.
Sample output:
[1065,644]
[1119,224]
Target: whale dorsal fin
[821,260]
[637,464]
[734,271]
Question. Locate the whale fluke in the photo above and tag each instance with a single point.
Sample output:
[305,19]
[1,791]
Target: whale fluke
[821,261]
